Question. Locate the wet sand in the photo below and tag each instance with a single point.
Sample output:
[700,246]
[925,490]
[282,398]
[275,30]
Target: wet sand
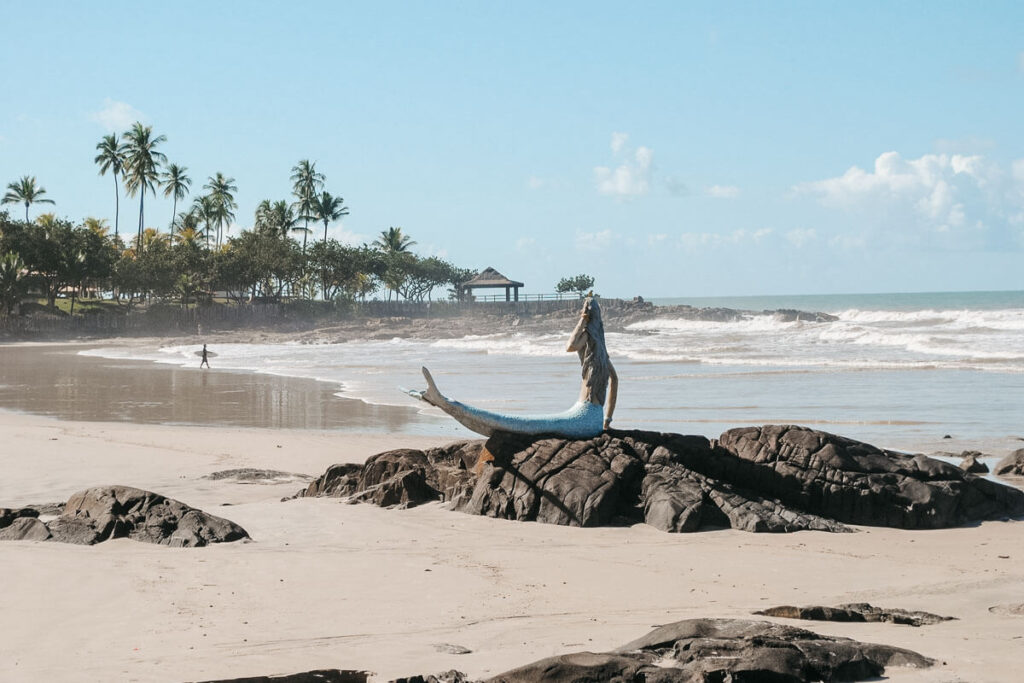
[53,380]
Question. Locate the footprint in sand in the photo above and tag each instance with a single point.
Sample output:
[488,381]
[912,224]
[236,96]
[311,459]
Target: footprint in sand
[1012,609]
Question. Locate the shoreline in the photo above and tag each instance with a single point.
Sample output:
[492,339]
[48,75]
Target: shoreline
[324,584]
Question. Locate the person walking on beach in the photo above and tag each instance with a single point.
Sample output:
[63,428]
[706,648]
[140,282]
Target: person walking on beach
[205,360]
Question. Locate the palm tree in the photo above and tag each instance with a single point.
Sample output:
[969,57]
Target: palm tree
[306,182]
[328,209]
[393,240]
[111,157]
[142,165]
[176,184]
[25,191]
[276,218]
[12,280]
[221,193]
[204,209]
[97,225]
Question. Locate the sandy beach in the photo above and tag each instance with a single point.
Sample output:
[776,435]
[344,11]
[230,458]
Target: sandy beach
[325,584]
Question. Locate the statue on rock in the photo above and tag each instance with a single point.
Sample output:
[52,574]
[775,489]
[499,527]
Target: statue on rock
[585,419]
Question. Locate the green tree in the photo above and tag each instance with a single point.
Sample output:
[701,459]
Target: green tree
[12,280]
[176,183]
[222,194]
[204,210]
[579,284]
[393,240]
[142,165]
[306,183]
[111,157]
[25,191]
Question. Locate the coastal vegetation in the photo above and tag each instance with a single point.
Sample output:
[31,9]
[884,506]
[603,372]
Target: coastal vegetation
[195,260]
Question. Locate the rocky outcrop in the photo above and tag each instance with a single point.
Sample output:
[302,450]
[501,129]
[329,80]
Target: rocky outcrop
[1012,465]
[701,650]
[102,513]
[251,475]
[762,479]
[970,463]
[316,676]
[855,612]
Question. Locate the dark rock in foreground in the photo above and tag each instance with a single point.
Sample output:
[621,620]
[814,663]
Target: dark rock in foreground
[701,650]
[1012,465]
[855,612]
[691,651]
[102,513]
[764,479]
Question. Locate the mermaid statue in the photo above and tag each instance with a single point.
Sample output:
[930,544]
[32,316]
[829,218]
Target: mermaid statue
[587,418]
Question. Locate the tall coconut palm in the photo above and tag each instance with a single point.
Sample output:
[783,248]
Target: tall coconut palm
[25,191]
[306,182]
[393,240]
[187,227]
[221,192]
[111,158]
[205,210]
[176,184]
[276,218]
[142,165]
[328,209]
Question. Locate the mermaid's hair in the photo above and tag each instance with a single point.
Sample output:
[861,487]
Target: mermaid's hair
[596,367]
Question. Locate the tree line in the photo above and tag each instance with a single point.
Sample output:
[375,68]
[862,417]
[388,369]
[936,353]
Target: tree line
[195,258]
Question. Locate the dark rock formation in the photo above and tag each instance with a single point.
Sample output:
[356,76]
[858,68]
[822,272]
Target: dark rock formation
[1012,465]
[856,612]
[250,475]
[317,676]
[403,477]
[702,650]
[970,463]
[772,479]
[99,514]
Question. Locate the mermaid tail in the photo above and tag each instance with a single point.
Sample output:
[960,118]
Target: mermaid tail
[583,420]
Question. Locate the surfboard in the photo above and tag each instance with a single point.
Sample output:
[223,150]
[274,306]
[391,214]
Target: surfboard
[209,354]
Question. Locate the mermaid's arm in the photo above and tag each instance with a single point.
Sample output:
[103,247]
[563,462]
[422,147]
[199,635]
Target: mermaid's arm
[576,340]
[613,393]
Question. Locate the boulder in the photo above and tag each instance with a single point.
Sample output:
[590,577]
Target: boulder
[970,463]
[105,512]
[701,650]
[856,612]
[1012,465]
[856,483]
[760,479]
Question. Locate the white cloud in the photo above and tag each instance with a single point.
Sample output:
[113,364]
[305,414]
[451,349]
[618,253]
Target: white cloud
[619,141]
[632,176]
[656,239]
[801,236]
[966,200]
[534,183]
[722,191]
[525,243]
[346,237]
[594,241]
[117,116]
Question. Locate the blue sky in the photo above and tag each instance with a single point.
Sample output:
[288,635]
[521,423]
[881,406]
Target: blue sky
[669,149]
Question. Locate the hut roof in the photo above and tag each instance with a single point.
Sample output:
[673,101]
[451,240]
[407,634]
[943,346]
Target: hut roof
[491,278]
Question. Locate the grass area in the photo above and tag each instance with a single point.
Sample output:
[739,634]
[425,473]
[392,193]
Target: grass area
[82,306]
